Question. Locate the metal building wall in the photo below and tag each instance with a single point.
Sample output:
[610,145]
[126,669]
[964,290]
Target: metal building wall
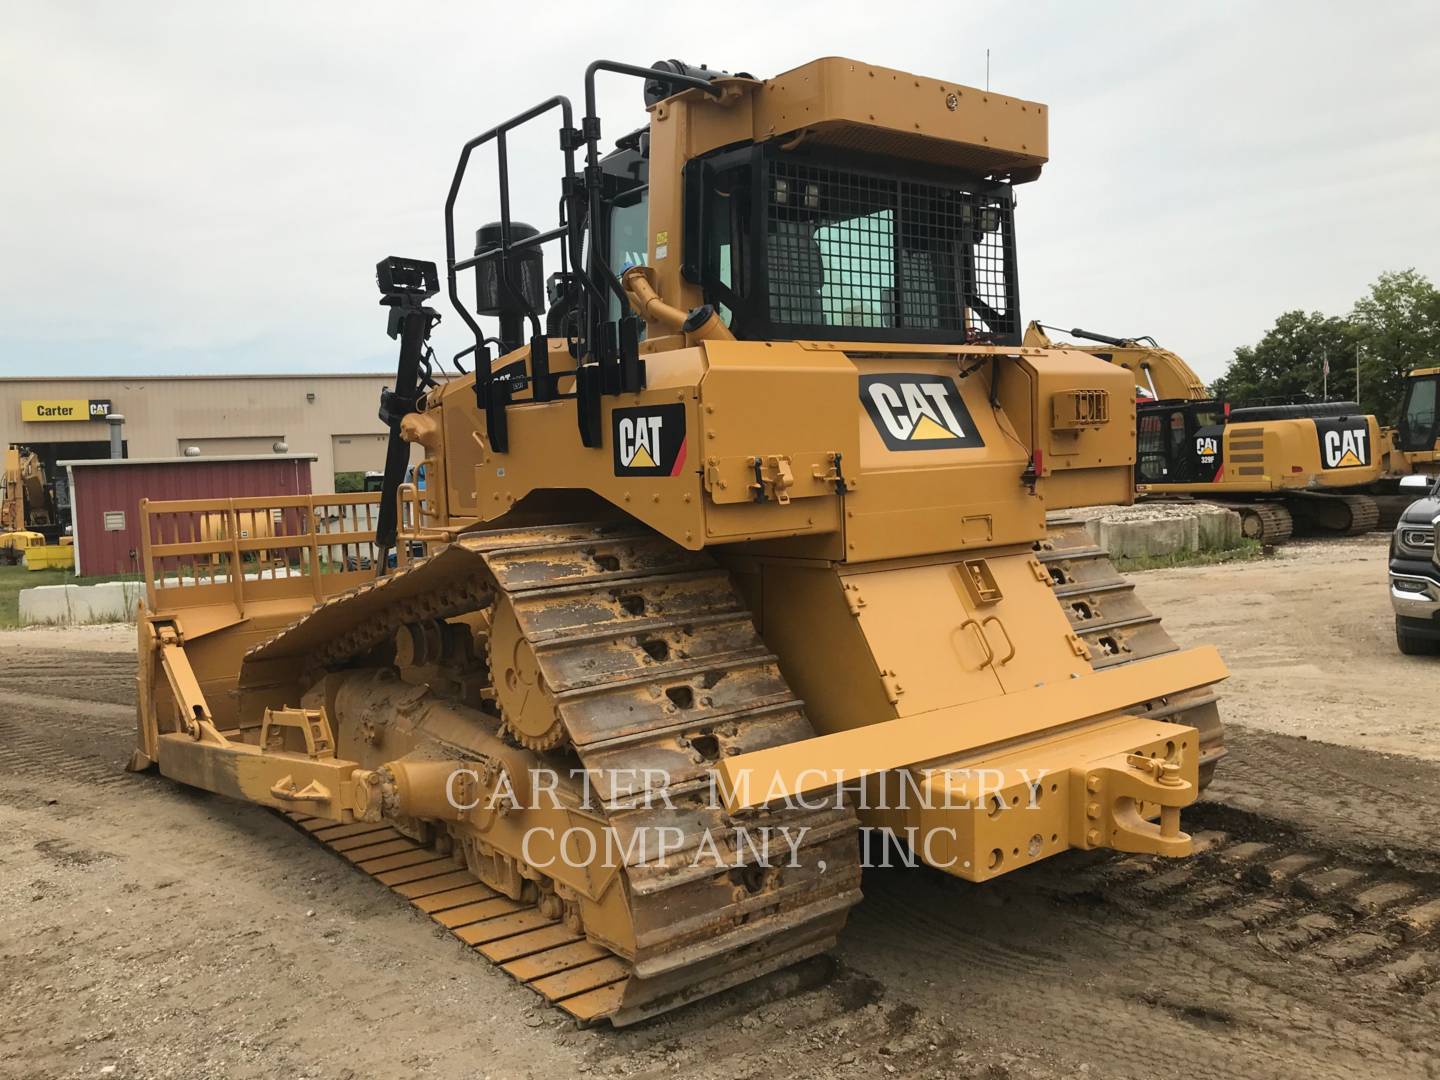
[120,487]
[163,415]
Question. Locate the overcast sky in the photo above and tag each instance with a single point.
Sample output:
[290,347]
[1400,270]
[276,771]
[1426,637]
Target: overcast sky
[207,188]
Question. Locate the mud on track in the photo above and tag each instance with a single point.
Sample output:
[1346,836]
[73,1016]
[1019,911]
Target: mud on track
[169,933]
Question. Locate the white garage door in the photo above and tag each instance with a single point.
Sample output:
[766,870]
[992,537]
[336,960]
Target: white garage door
[358,453]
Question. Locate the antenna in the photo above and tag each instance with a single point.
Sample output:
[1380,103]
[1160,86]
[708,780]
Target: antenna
[987,70]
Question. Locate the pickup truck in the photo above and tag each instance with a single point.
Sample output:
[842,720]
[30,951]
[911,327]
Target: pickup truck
[1415,571]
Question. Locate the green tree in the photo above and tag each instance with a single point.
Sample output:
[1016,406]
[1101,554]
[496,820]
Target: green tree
[1398,328]
[1395,327]
[346,482]
[1288,362]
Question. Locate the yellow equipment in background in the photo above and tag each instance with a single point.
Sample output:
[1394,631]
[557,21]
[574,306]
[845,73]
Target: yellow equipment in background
[28,518]
[1273,464]
[744,548]
[1413,446]
[44,556]
[15,546]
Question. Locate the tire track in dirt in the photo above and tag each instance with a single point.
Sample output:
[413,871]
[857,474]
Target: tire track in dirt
[1303,939]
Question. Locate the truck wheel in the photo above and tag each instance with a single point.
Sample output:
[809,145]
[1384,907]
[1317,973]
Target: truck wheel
[1412,644]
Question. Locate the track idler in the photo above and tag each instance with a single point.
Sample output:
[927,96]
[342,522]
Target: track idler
[1266,523]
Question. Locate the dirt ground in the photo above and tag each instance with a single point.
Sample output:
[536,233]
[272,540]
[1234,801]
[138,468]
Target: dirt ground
[151,931]
[1309,637]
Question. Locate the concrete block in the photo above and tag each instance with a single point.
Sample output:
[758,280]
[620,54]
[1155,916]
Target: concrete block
[1141,539]
[1218,529]
[111,601]
[45,604]
[1155,530]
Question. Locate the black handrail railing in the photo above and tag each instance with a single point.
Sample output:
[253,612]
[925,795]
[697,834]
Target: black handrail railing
[567,230]
[606,354]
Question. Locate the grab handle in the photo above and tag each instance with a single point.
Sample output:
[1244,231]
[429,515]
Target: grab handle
[1008,640]
[984,641]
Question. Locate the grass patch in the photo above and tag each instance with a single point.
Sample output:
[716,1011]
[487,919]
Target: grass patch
[15,578]
[1248,549]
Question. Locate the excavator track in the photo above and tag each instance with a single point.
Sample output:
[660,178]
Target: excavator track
[1107,614]
[1343,515]
[1267,523]
[1364,514]
[651,661]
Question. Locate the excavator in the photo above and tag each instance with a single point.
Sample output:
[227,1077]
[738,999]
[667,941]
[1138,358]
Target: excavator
[1413,446]
[27,506]
[1315,464]
[736,556]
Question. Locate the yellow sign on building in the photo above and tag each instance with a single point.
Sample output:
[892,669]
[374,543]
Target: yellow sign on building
[76,409]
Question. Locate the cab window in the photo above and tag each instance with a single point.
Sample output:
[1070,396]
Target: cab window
[1419,424]
[629,240]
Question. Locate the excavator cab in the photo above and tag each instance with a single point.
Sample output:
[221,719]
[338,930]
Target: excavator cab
[1418,430]
[1178,442]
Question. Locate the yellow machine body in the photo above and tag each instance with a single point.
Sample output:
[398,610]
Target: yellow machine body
[1272,469]
[1414,446]
[1274,456]
[801,582]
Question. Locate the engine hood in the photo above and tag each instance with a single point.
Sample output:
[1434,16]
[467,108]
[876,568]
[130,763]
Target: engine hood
[1421,512]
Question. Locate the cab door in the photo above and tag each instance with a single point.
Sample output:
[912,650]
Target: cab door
[1152,462]
[1165,446]
[1417,428]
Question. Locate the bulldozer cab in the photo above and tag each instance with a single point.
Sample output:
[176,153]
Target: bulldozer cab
[1178,442]
[819,243]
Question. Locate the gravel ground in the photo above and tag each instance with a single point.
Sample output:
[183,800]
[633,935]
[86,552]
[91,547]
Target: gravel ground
[151,931]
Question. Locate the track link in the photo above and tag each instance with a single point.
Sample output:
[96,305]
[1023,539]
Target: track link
[1267,523]
[1108,615]
[652,662]
[1343,515]
[1364,514]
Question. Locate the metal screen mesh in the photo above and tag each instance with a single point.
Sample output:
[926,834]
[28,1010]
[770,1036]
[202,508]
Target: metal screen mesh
[851,249]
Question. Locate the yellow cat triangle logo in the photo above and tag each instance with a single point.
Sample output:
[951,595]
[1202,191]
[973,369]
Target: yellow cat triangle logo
[641,459]
[1348,459]
[927,428]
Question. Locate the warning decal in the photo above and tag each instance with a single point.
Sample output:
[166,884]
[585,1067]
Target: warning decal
[649,440]
[918,412]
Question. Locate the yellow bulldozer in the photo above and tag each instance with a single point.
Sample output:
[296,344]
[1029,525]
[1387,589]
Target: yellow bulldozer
[736,554]
[1312,463]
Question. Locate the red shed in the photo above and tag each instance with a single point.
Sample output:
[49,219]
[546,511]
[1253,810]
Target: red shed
[105,496]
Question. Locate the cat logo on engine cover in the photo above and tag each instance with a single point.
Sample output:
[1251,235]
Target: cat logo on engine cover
[918,412]
[648,440]
[1344,442]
